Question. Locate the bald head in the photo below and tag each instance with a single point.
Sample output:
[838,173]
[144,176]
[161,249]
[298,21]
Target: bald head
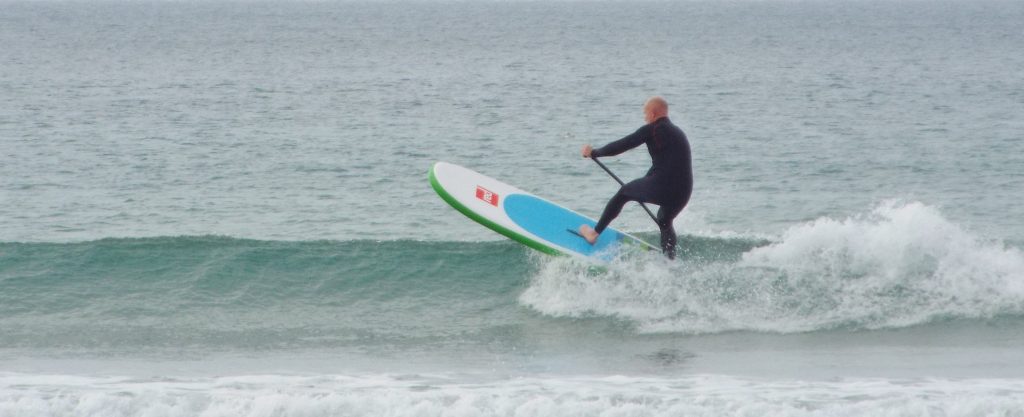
[655,108]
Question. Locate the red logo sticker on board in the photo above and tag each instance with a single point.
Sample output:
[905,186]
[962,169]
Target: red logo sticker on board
[487,196]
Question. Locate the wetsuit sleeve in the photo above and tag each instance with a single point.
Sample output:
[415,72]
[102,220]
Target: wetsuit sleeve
[622,145]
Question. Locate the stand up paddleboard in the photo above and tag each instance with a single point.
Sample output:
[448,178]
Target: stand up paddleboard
[524,217]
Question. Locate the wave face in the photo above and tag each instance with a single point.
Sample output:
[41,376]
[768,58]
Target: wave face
[152,326]
[900,265]
[230,293]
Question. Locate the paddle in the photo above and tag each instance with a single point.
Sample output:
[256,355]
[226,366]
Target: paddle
[594,158]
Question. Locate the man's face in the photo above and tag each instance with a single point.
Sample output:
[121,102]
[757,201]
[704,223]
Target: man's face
[648,112]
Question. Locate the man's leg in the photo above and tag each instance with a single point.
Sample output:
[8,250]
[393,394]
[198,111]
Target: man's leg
[666,214]
[611,211]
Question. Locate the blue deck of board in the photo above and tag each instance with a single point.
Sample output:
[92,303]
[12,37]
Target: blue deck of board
[553,223]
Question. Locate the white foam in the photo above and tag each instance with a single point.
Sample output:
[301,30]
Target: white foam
[420,395]
[899,265]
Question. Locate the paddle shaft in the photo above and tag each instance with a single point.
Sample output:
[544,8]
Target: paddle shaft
[600,164]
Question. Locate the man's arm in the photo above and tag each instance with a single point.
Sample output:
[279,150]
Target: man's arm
[622,145]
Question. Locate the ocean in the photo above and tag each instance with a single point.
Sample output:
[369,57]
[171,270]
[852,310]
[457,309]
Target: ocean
[221,208]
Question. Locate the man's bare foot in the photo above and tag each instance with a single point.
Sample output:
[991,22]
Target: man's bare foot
[588,233]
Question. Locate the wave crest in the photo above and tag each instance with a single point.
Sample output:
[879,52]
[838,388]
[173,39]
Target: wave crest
[900,265]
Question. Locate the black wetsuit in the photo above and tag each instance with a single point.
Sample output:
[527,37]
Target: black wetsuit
[668,183]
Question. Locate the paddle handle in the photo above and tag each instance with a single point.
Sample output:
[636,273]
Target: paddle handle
[600,164]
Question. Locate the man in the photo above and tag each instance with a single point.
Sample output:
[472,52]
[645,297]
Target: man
[668,183]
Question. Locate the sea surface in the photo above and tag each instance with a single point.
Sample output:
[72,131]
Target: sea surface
[221,208]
